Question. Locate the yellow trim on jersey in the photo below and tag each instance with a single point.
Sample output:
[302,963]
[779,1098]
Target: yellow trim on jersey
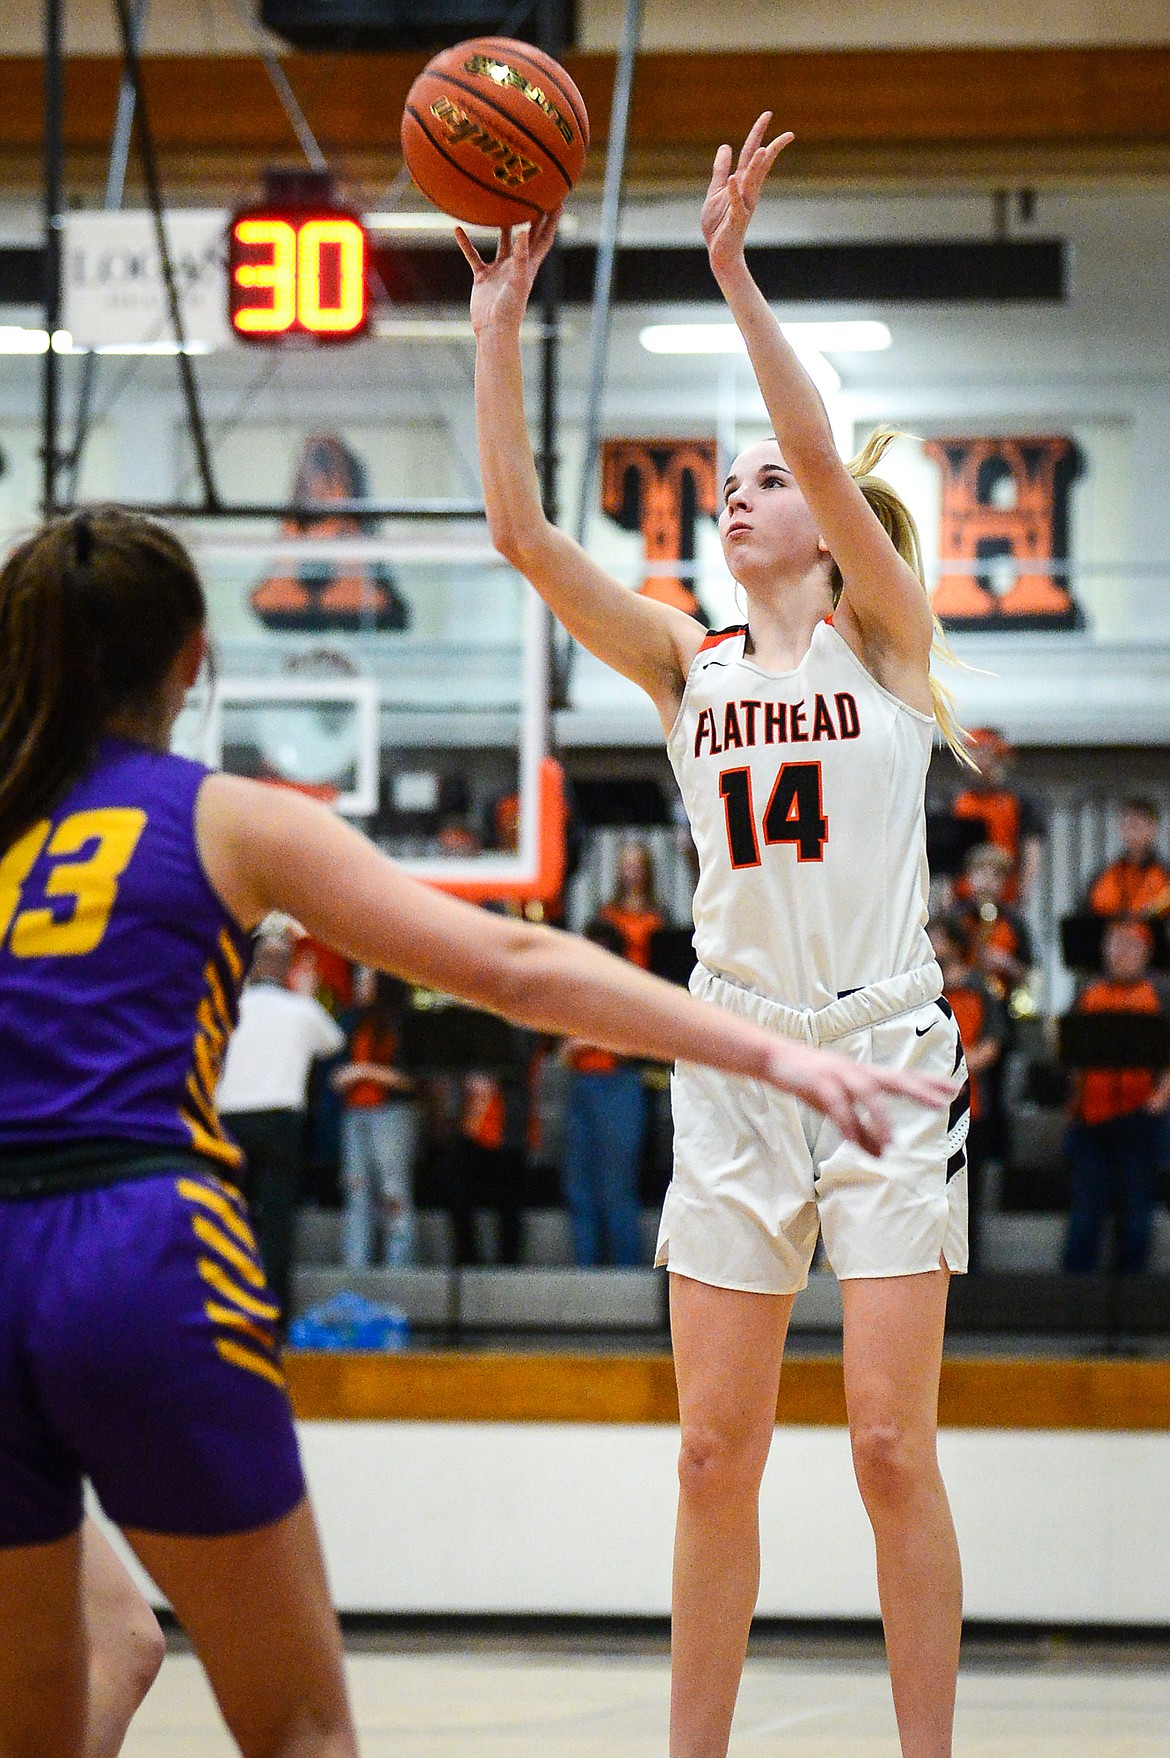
[213,1028]
[241,1357]
[224,1315]
[217,1147]
[219,1001]
[207,1064]
[214,1275]
[230,956]
[219,1205]
[206,1110]
[244,1266]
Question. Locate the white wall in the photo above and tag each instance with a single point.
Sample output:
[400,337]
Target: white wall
[486,1517]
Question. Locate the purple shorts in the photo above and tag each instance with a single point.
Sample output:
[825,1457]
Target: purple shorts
[137,1349]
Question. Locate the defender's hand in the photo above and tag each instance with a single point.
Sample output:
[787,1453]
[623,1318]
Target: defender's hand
[851,1093]
[732,195]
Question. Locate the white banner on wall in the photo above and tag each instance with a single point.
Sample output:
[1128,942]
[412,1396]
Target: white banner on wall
[114,291]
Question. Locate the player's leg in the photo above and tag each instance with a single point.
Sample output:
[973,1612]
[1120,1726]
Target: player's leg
[257,1609]
[126,1646]
[42,1651]
[893,1356]
[728,1347]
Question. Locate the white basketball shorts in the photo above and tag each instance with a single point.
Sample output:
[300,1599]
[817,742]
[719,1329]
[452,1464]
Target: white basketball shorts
[758,1174]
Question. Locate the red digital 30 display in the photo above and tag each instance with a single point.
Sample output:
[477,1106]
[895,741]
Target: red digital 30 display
[297,274]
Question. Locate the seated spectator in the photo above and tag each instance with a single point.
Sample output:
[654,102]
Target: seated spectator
[633,909]
[1137,883]
[605,1125]
[263,1094]
[998,941]
[1013,820]
[982,1025]
[1112,1143]
[379,1129]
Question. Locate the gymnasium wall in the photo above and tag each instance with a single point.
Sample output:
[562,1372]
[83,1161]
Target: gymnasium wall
[470,1517]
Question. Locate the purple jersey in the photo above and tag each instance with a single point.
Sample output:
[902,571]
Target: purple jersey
[120,970]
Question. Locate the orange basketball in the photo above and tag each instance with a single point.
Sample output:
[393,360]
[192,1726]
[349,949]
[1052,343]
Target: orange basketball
[495,132]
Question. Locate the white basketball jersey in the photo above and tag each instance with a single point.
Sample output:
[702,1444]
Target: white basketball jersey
[805,793]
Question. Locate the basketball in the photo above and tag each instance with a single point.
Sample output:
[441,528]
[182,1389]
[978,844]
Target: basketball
[494,132]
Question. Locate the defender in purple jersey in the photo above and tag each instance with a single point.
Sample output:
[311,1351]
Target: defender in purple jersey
[136,1330]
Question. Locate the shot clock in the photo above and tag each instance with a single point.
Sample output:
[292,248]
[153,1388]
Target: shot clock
[297,267]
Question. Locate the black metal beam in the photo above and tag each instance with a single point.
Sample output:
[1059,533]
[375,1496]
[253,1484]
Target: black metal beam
[932,273]
[308,511]
[945,273]
[54,163]
[549,16]
[150,174]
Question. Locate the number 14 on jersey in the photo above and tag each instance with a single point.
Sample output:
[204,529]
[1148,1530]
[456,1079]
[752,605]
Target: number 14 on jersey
[795,814]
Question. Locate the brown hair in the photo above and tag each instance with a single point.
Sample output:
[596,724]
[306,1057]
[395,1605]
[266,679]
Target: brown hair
[897,521]
[94,610]
[649,881]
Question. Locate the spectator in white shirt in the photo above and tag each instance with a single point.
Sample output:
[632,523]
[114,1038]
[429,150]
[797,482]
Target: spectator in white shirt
[263,1095]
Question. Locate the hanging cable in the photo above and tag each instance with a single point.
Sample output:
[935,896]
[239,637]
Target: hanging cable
[298,121]
[111,202]
[154,194]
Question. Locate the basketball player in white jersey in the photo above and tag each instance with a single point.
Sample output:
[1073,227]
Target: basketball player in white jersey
[800,742]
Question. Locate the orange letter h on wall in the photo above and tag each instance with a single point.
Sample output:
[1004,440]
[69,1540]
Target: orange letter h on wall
[1005,502]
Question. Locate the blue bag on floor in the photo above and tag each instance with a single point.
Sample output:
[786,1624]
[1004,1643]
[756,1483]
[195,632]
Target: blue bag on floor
[350,1321]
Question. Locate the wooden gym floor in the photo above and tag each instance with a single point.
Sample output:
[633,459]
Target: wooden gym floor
[461,1698]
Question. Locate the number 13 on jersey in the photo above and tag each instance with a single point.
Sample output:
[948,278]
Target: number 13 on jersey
[103,840]
[795,813]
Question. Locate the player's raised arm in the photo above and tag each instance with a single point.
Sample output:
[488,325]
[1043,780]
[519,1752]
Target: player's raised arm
[265,848]
[651,643]
[883,613]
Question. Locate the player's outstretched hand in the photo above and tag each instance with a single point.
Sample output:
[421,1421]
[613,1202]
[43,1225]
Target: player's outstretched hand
[851,1093]
[501,288]
[732,195]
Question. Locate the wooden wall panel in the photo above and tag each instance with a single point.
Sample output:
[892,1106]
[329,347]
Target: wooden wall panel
[498,1387]
[959,98]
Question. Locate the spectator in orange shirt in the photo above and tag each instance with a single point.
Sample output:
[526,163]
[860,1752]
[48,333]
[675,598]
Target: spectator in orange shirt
[1112,1143]
[1137,883]
[982,1025]
[605,1125]
[379,1128]
[998,941]
[633,909]
[1013,820]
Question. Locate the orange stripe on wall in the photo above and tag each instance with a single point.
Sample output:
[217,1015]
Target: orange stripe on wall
[447,1387]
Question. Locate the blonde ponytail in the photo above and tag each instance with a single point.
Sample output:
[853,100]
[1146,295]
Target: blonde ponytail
[897,522]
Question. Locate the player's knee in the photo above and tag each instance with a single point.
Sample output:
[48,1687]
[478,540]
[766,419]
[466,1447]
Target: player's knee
[126,1651]
[717,1463]
[316,1722]
[891,1462]
[145,1649]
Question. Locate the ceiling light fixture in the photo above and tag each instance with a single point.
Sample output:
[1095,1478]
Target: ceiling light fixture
[15,339]
[834,336]
[439,225]
[726,339]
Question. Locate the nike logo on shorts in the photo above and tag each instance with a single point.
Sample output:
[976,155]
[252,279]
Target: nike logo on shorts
[920,1032]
